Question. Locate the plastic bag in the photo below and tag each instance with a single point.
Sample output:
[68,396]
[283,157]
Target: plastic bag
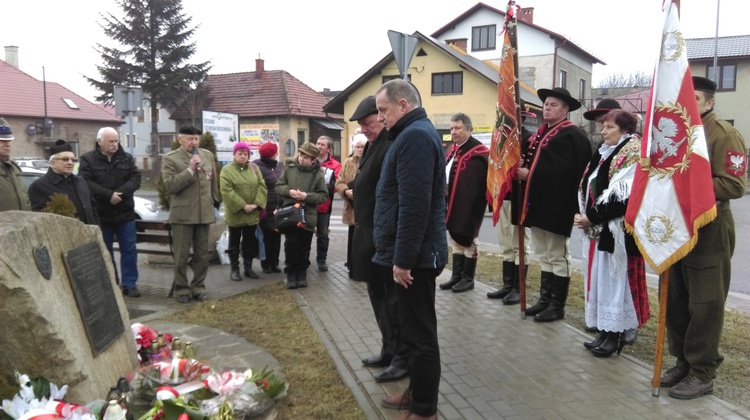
[261,245]
[221,247]
[247,401]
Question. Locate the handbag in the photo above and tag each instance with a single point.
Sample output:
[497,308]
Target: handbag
[292,216]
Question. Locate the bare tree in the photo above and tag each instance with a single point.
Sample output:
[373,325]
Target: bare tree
[630,80]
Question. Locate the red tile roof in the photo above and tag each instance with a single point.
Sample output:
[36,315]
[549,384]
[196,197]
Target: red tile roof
[275,93]
[23,96]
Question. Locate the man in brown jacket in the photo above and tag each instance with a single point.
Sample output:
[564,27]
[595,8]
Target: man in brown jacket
[190,179]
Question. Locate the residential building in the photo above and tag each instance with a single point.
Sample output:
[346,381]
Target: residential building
[40,112]
[456,70]
[282,107]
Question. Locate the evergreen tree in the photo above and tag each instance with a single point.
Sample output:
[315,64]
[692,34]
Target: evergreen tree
[153,52]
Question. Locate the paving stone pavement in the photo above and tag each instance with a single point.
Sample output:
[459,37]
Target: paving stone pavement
[495,365]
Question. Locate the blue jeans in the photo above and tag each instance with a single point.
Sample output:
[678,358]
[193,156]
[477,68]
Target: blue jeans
[126,234]
[324,220]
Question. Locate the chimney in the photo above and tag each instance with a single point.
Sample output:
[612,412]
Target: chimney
[526,15]
[461,43]
[258,68]
[11,55]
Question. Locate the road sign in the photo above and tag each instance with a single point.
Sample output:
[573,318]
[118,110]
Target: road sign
[403,46]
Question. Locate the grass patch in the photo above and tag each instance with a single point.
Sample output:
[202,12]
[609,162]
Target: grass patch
[732,384]
[270,318]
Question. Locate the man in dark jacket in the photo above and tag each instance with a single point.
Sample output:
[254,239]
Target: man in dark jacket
[467,201]
[394,355]
[552,168]
[113,178]
[410,235]
[73,194]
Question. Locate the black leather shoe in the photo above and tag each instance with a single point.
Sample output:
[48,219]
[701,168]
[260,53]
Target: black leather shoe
[276,269]
[513,298]
[629,336]
[391,374]
[183,298]
[464,285]
[200,297]
[377,361]
[500,293]
[132,292]
[267,270]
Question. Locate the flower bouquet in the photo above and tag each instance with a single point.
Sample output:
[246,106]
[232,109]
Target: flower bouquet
[38,399]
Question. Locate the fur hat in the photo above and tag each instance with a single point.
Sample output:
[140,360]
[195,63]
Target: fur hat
[59,147]
[604,106]
[268,150]
[365,108]
[310,149]
[241,145]
[5,131]
[560,93]
[704,85]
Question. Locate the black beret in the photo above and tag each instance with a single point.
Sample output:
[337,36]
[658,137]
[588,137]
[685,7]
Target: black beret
[703,84]
[60,146]
[190,130]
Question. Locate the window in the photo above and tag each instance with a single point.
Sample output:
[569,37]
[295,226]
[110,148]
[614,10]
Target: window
[165,142]
[563,79]
[581,90]
[301,135]
[127,141]
[483,38]
[447,83]
[394,77]
[70,103]
[727,76]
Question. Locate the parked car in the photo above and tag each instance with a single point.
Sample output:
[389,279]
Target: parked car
[32,162]
[144,209]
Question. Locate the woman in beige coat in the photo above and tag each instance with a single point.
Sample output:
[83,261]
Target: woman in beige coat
[344,186]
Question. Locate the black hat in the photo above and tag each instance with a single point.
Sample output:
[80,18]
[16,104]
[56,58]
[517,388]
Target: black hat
[704,85]
[60,146]
[560,93]
[604,106]
[190,130]
[365,108]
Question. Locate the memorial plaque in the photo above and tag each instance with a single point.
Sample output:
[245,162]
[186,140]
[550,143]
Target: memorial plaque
[94,296]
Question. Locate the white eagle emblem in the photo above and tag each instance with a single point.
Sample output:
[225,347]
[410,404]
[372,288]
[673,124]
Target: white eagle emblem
[664,139]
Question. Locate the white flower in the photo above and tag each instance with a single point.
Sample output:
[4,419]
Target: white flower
[56,393]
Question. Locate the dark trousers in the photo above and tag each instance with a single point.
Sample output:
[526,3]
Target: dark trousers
[698,287]
[272,242]
[324,220]
[297,244]
[349,239]
[126,238]
[419,331]
[384,299]
[249,242]
[184,237]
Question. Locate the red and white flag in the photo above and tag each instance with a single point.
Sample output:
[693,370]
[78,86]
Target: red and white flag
[672,195]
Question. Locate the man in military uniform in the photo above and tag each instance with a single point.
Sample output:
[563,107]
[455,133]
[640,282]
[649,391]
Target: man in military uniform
[13,195]
[190,179]
[699,283]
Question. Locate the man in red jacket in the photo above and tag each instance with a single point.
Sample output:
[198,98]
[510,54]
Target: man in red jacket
[332,168]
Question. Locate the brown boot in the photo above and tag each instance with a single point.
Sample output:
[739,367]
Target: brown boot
[399,401]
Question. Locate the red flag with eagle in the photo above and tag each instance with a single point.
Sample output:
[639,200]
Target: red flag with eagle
[672,195]
[505,148]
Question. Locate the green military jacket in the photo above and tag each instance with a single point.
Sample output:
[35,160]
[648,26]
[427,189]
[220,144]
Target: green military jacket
[13,194]
[726,149]
[241,185]
[192,196]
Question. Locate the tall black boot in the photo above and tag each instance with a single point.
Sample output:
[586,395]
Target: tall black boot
[467,277]
[514,297]
[544,294]
[247,259]
[556,308]
[458,269]
[302,278]
[507,282]
[291,279]
[234,263]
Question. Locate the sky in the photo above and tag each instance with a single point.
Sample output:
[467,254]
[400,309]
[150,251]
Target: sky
[330,43]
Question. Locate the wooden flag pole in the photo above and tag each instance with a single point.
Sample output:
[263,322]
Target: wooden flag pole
[660,333]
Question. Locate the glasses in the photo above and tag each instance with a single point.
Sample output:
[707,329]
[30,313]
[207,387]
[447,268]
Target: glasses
[66,159]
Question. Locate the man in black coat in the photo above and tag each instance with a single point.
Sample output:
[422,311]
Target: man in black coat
[60,179]
[410,235]
[552,168]
[394,355]
[467,201]
[113,178]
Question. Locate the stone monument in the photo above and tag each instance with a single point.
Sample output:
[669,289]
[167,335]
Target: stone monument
[62,315]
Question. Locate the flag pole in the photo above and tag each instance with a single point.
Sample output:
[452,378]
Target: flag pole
[512,28]
[660,333]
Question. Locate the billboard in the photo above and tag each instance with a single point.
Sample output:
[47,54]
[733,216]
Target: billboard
[224,127]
